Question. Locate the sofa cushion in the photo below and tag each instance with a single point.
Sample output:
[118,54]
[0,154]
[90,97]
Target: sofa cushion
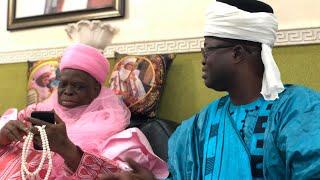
[139,81]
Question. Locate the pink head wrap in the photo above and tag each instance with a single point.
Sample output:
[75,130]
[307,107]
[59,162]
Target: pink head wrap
[41,71]
[87,59]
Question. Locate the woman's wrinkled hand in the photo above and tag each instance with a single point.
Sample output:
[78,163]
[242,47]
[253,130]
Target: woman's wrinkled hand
[59,141]
[12,131]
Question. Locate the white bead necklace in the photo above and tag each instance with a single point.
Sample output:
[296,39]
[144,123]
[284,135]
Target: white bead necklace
[45,154]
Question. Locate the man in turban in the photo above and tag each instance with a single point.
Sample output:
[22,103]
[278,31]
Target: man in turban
[262,129]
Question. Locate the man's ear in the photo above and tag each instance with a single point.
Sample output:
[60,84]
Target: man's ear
[239,53]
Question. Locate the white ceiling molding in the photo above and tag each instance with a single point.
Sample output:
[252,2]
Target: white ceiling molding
[284,38]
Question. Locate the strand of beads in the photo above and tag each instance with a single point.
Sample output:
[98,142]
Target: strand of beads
[45,154]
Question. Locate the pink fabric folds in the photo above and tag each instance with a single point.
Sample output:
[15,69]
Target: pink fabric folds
[86,58]
[132,143]
[10,114]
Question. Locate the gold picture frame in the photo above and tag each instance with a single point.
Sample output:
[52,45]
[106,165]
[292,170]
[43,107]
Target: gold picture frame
[20,16]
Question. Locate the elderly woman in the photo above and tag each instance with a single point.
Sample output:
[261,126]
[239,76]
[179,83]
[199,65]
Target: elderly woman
[89,136]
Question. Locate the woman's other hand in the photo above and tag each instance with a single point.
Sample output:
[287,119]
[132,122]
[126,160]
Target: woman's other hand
[13,131]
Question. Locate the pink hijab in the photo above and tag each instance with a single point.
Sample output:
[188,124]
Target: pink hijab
[89,125]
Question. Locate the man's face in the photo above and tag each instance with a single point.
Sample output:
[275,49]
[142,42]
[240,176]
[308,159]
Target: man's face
[217,66]
[76,88]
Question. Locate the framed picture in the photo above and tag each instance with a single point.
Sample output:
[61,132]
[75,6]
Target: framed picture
[36,13]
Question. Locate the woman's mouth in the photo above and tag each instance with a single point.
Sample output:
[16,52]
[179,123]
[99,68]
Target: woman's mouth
[67,103]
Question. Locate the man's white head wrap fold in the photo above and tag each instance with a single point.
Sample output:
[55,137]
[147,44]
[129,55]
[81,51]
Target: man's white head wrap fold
[226,21]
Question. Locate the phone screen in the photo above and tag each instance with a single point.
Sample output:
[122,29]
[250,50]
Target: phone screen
[46,116]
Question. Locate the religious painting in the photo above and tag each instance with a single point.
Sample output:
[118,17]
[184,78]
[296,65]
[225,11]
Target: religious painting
[43,80]
[132,78]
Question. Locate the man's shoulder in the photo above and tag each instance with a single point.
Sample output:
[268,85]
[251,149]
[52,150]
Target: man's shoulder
[292,88]
[299,93]
[296,100]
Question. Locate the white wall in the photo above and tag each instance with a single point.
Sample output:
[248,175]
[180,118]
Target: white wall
[154,20]
[296,13]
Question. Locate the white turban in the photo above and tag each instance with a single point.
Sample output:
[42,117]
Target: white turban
[226,21]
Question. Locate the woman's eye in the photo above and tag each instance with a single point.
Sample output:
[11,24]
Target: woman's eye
[62,84]
[80,86]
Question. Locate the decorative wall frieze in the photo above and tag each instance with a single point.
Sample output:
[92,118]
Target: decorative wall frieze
[184,45]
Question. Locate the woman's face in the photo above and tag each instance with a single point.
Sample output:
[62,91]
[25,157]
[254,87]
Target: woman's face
[77,88]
